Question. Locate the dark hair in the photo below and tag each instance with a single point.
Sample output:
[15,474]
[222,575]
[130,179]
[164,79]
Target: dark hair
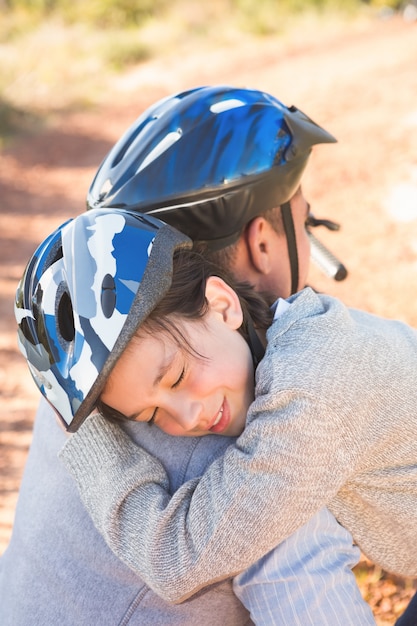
[186,298]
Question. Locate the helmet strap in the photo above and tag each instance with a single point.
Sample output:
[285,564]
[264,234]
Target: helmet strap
[255,344]
[288,222]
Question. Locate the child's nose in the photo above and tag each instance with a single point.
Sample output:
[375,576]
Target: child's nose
[188,415]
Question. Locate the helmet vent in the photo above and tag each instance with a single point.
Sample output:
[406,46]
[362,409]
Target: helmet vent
[108,295]
[226,105]
[65,318]
[160,148]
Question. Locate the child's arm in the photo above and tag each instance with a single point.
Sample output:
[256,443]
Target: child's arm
[211,527]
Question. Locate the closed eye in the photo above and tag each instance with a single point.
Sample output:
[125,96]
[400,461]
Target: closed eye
[152,419]
[176,384]
[179,380]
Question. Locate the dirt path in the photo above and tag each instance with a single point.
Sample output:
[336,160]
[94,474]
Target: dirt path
[361,86]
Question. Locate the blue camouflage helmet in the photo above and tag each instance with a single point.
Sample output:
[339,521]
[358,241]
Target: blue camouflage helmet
[208,160]
[84,293]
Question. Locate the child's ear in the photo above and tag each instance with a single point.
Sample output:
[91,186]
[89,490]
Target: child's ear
[224,301]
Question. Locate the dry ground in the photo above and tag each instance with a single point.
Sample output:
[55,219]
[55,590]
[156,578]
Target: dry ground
[360,84]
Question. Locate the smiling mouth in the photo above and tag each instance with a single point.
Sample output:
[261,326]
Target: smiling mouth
[219,417]
[221,421]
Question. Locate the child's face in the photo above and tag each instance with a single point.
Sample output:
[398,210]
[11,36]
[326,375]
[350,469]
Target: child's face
[187,393]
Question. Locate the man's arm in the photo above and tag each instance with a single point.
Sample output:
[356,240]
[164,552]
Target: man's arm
[307,579]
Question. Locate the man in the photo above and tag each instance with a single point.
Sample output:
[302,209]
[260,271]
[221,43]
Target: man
[223,165]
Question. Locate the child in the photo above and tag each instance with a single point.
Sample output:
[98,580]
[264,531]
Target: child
[333,421]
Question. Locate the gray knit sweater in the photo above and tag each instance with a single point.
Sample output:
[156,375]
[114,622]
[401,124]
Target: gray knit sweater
[334,423]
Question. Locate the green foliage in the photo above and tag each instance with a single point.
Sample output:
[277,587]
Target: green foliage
[295,6]
[103,13]
[382,4]
[120,52]
[122,13]
[112,13]
[258,16]
[265,17]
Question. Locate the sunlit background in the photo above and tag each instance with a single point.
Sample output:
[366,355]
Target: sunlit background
[75,74]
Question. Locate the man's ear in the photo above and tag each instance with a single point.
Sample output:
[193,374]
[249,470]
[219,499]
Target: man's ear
[224,301]
[259,241]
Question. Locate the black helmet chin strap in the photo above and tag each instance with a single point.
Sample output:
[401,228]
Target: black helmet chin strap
[288,222]
[255,344]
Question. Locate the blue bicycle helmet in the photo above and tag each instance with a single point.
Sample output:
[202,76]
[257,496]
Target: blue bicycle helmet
[209,160]
[82,297]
